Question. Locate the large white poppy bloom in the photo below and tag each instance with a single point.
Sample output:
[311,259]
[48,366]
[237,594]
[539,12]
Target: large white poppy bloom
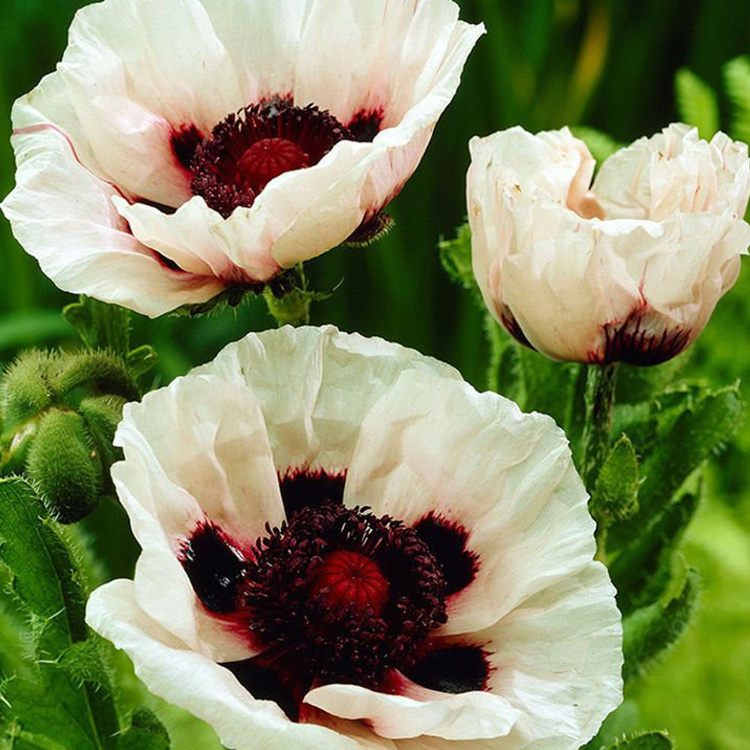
[628,270]
[345,545]
[187,146]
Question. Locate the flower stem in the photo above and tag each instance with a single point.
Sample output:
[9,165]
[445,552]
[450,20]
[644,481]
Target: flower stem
[600,400]
[292,305]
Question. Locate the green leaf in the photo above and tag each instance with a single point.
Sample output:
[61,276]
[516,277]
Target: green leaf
[57,708]
[146,733]
[649,631]
[737,82]
[140,360]
[697,103]
[100,325]
[615,495]
[67,700]
[44,576]
[455,256]
[700,430]
[600,144]
[646,741]
[642,569]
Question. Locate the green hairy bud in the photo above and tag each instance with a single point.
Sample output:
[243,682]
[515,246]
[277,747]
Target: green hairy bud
[65,466]
[102,414]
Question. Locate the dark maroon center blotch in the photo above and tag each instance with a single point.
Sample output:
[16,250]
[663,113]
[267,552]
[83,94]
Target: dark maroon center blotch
[455,669]
[448,542]
[215,568]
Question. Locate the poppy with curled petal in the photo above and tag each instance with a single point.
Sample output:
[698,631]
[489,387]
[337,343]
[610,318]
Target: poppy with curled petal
[184,147]
[345,545]
[629,270]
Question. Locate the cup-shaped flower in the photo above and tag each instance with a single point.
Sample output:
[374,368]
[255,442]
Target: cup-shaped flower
[627,269]
[186,146]
[345,545]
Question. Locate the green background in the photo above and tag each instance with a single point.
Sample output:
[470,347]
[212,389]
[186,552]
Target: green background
[543,64]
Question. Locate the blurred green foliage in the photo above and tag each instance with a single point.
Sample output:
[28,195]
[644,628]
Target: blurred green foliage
[605,64]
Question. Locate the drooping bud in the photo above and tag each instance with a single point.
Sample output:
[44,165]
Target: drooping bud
[65,466]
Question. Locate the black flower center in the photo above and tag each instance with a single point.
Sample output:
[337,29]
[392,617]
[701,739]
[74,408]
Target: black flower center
[248,149]
[338,595]
[345,593]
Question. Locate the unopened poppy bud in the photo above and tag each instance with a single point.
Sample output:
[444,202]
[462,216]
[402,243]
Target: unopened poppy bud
[102,414]
[65,466]
[25,390]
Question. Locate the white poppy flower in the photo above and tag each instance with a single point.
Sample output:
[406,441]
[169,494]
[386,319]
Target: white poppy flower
[629,270]
[345,545]
[186,146]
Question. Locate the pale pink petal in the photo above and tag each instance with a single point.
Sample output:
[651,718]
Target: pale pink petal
[456,717]
[190,680]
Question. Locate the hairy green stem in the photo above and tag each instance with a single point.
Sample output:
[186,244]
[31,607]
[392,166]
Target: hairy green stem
[600,400]
[292,307]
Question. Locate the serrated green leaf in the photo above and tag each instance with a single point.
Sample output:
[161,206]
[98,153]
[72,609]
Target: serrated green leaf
[455,256]
[100,325]
[642,569]
[600,144]
[737,82]
[649,631]
[615,495]
[57,708]
[44,576]
[699,431]
[645,741]
[140,360]
[67,698]
[146,733]
[697,103]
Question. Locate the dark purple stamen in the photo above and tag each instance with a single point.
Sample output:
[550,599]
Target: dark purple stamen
[249,149]
[339,633]
[456,669]
[447,541]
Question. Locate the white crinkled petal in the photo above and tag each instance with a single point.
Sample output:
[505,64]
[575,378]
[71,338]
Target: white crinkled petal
[672,172]
[461,716]
[315,386]
[63,214]
[198,240]
[134,77]
[557,658]
[205,457]
[190,680]
[477,461]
